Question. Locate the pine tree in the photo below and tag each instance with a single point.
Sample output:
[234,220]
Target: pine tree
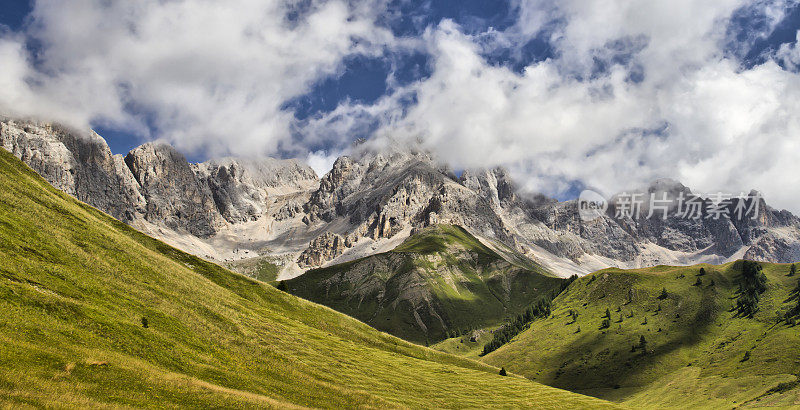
[702,272]
[503,371]
[643,344]
[607,315]
[698,282]
[282,286]
[792,270]
[145,323]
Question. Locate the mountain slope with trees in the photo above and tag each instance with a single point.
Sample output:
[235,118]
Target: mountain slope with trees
[700,336]
[439,282]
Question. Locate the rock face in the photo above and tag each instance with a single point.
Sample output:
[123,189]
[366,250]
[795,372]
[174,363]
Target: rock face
[241,187]
[155,183]
[322,249]
[80,164]
[380,194]
[175,197]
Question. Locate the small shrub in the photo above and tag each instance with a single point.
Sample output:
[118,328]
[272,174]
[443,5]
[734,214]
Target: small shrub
[145,323]
[663,294]
[503,371]
[282,286]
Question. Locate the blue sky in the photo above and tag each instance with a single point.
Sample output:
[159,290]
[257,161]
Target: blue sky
[565,94]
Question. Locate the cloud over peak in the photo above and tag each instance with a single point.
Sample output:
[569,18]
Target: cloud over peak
[609,94]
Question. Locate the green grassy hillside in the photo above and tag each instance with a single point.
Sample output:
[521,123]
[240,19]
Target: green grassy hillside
[94,313]
[261,268]
[439,281]
[699,351]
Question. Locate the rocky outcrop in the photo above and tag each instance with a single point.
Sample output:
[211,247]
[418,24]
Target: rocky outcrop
[175,197]
[155,183]
[241,187]
[78,163]
[322,249]
[380,194]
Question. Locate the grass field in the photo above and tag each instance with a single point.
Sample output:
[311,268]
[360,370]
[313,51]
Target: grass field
[699,353]
[77,287]
[261,268]
[439,280]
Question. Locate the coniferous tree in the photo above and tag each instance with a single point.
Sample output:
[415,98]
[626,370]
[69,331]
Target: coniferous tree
[792,270]
[752,284]
[540,309]
[702,272]
[503,371]
[643,343]
[607,315]
[698,282]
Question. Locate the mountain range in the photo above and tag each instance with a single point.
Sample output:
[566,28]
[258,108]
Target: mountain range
[369,202]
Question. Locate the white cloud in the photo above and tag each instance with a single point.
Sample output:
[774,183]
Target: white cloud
[321,161]
[696,115]
[212,76]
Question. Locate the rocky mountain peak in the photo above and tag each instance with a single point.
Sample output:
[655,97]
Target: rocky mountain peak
[175,197]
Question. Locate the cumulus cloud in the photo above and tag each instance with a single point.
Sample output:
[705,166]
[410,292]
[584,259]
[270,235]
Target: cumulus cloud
[631,91]
[636,91]
[208,76]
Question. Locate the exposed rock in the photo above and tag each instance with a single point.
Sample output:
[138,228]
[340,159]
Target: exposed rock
[241,187]
[323,248]
[175,197]
[80,164]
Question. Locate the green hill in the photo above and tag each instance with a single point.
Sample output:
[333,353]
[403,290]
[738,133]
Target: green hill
[439,281]
[700,349]
[94,313]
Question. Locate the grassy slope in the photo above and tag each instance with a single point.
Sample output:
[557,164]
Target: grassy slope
[468,292]
[75,284]
[261,268]
[696,344]
[464,345]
